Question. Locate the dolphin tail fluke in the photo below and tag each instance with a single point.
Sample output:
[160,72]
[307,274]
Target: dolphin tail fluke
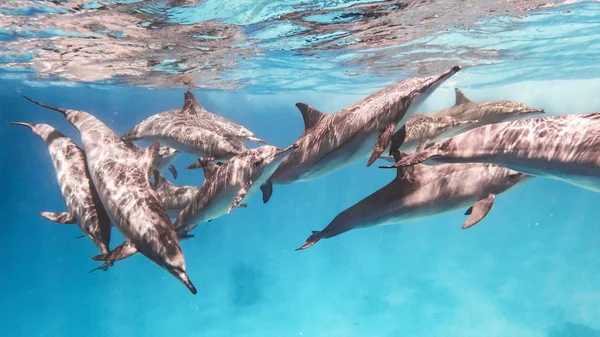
[173,171]
[312,239]
[61,110]
[29,125]
[125,250]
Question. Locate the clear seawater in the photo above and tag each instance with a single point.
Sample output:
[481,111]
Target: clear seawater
[530,268]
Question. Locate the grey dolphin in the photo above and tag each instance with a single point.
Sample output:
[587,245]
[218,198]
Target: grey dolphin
[332,141]
[121,175]
[485,112]
[563,147]
[226,186]
[423,130]
[174,197]
[166,155]
[83,203]
[423,191]
[194,130]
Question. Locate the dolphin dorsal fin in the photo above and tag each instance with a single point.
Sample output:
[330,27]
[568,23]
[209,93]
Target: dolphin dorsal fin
[148,157]
[400,171]
[460,97]
[191,106]
[208,167]
[310,115]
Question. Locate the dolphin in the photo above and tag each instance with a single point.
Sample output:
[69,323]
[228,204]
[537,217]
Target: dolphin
[563,147]
[485,112]
[194,130]
[83,203]
[166,155]
[423,191]
[423,130]
[332,141]
[174,197]
[121,175]
[227,185]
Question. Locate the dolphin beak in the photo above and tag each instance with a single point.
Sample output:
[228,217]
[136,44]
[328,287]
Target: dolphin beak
[287,149]
[183,277]
[535,111]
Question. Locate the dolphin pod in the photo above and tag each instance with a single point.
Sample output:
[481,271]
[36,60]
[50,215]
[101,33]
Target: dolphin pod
[459,158]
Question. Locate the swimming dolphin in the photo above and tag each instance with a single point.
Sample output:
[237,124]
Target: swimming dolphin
[422,130]
[166,155]
[194,130]
[564,147]
[174,197]
[332,141]
[121,175]
[485,112]
[83,203]
[423,191]
[226,186]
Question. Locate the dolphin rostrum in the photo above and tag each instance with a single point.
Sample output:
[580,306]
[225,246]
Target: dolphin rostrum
[227,185]
[83,203]
[485,112]
[563,147]
[423,191]
[121,175]
[332,141]
[174,197]
[194,130]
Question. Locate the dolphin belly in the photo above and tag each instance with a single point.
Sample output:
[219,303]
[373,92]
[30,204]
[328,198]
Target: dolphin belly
[358,147]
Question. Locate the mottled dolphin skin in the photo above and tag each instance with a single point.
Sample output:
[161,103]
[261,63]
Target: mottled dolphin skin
[121,175]
[564,147]
[194,130]
[227,185]
[485,112]
[332,141]
[83,203]
[174,197]
[422,130]
[423,191]
[166,155]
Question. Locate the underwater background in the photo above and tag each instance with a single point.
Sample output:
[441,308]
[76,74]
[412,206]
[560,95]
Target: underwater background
[530,268]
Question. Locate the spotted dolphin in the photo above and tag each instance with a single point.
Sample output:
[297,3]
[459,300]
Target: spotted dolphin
[563,147]
[332,141]
[423,191]
[485,112]
[194,130]
[174,197]
[121,175]
[227,185]
[83,203]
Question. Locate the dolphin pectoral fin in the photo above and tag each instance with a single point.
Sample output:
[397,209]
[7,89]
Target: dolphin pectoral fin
[80,237]
[125,250]
[469,211]
[397,140]
[103,267]
[312,239]
[239,196]
[382,143]
[267,191]
[184,234]
[63,217]
[479,210]
[173,171]
[242,205]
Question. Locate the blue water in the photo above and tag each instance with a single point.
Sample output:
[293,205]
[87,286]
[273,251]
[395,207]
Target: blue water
[530,268]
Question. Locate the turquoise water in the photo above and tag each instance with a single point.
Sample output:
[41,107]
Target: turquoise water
[530,268]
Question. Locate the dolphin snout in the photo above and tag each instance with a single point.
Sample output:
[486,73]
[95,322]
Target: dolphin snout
[183,277]
[536,111]
[287,149]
